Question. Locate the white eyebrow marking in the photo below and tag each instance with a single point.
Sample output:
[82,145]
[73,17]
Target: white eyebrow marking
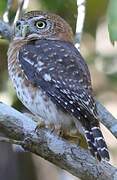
[38,17]
[41,17]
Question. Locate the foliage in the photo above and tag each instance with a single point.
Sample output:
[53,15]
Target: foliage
[112,20]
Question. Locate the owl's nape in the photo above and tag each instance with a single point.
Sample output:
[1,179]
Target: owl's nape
[52,79]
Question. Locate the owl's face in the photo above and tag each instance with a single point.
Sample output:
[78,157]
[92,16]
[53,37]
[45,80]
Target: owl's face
[41,25]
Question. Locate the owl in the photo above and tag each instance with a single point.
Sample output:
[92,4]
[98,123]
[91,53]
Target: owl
[52,79]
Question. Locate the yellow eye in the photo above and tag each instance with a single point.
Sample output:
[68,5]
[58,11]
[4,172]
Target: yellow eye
[40,24]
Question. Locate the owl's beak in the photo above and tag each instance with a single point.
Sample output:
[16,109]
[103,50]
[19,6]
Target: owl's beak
[25,30]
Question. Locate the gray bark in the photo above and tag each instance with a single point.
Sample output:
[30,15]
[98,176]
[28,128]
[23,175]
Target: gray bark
[20,129]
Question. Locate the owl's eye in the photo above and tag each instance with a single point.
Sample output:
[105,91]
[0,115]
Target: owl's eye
[40,24]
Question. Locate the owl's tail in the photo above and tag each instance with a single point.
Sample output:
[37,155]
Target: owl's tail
[96,143]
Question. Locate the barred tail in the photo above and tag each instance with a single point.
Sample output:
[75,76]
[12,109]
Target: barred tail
[100,143]
[96,143]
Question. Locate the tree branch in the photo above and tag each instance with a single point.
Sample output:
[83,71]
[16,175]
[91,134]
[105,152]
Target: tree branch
[79,22]
[6,30]
[79,162]
[107,119]
[23,4]
[6,13]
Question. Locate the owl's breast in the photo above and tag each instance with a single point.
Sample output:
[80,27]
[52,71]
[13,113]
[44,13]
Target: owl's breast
[34,98]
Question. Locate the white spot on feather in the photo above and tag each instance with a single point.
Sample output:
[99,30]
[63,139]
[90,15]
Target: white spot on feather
[51,69]
[26,52]
[59,60]
[47,77]
[29,61]
[40,63]
[65,103]
[78,108]
[71,102]
[39,69]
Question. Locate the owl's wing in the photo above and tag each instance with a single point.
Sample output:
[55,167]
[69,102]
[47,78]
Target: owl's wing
[58,68]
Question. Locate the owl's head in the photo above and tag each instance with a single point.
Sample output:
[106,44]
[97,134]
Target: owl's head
[42,25]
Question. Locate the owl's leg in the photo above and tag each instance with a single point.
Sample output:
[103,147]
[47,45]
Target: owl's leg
[57,129]
[75,137]
[53,128]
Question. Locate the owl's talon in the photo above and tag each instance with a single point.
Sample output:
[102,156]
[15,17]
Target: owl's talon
[52,127]
[40,124]
[58,130]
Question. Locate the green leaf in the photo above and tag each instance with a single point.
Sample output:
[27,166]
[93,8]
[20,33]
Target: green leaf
[112,20]
[2,6]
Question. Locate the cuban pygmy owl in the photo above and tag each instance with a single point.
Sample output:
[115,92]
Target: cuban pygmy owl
[52,79]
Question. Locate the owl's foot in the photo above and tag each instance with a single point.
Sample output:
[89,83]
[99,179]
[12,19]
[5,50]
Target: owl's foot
[57,129]
[75,137]
[51,126]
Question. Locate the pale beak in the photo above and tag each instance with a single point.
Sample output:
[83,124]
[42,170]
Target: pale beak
[25,30]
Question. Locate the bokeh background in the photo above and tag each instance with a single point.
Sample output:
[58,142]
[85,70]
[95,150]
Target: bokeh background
[101,57]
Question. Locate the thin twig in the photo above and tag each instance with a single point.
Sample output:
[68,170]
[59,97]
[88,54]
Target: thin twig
[107,119]
[6,31]
[23,4]
[6,13]
[80,22]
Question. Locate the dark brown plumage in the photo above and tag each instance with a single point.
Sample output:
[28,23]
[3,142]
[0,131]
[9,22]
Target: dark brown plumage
[52,79]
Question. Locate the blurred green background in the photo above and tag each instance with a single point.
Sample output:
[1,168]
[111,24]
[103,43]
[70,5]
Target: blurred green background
[101,57]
